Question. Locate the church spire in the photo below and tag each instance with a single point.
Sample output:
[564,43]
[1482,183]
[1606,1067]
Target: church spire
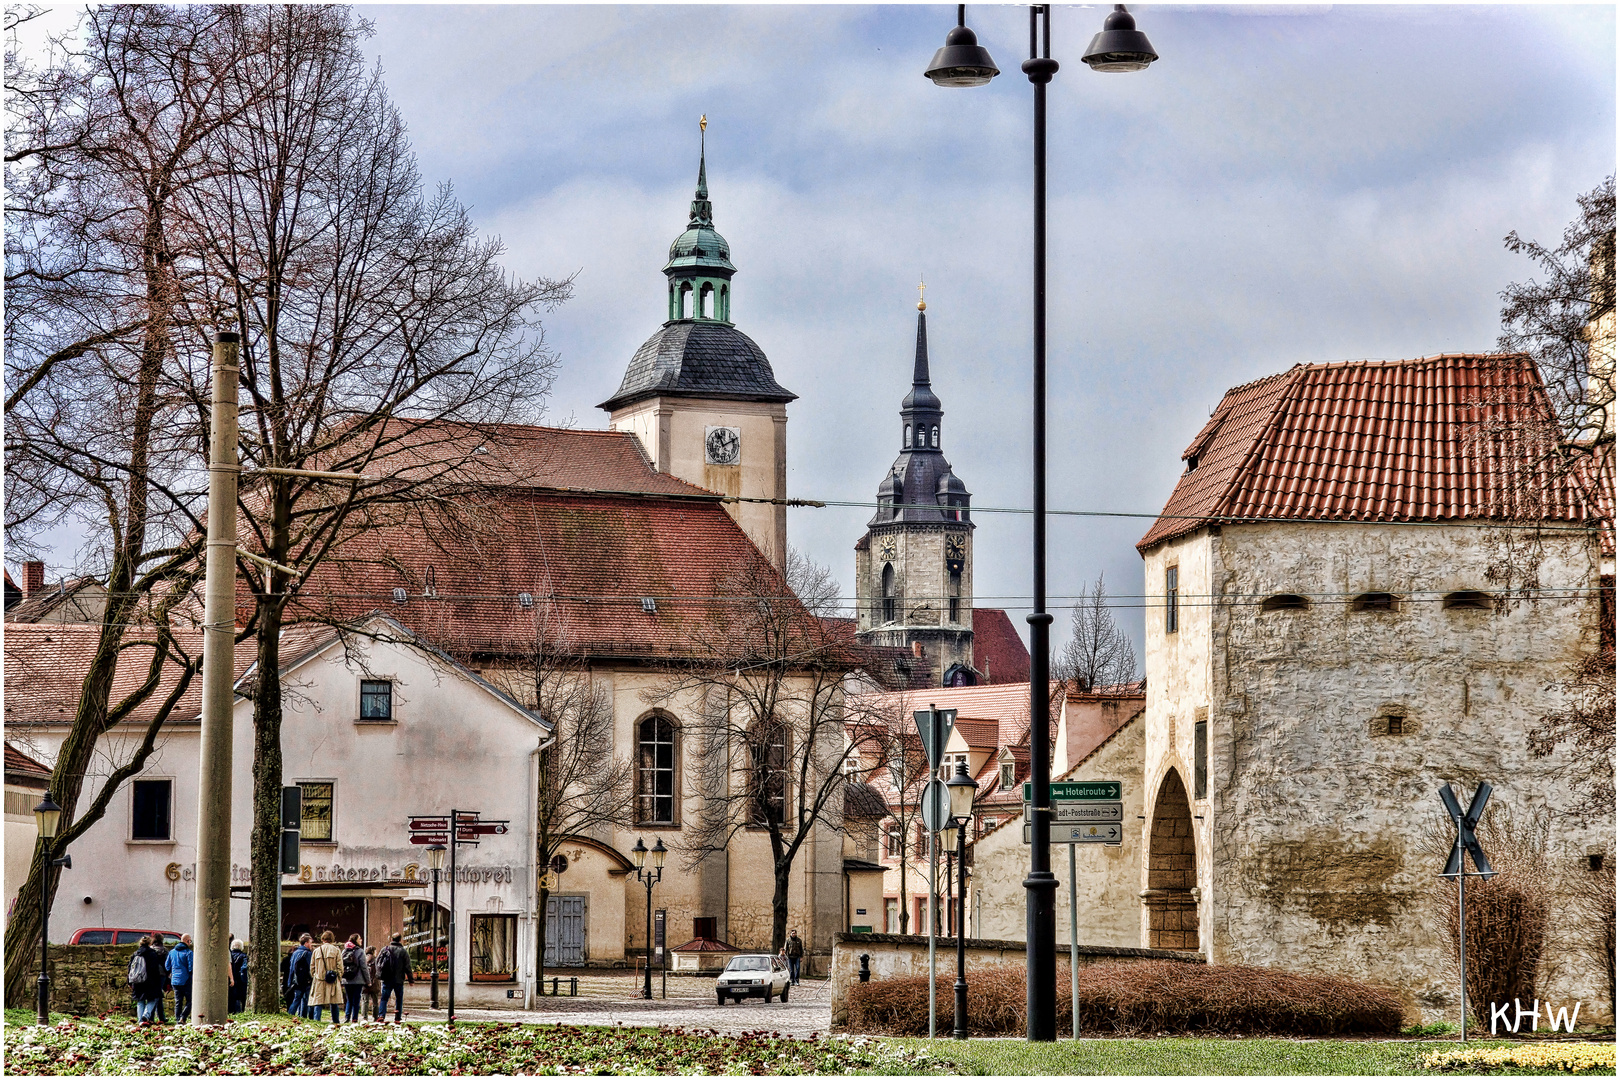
[920,407]
[702,209]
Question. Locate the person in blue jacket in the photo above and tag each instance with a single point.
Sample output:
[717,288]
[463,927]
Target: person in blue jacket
[298,979]
[178,964]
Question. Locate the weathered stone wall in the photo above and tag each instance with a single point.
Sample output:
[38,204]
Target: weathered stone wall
[922,584]
[89,980]
[1321,824]
[893,956]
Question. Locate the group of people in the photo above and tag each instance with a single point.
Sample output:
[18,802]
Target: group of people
[153,973]
[358,977]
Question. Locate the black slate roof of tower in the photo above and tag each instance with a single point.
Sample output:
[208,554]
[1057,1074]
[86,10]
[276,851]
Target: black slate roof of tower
[927,484]
[699,359]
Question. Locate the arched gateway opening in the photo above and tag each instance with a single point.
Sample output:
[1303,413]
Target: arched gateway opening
[1172,870]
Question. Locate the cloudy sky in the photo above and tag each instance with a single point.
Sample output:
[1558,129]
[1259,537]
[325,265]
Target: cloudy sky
[1286,185]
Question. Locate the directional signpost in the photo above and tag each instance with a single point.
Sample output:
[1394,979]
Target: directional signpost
[934,728]
[1466,841]
[429,829]
[1083,812]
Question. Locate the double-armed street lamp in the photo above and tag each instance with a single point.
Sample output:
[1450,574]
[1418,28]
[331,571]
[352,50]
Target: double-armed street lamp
[435,856]
[47,817]
[955,834]
[639,854]
[964,62]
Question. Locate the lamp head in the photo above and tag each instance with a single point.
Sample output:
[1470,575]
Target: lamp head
[962,61]
[638,854]
[435,856]
[1120,46]
[47,816]
[659,852]
[962,789]
[947,837]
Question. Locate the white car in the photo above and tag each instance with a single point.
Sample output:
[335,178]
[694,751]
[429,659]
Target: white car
[755,975]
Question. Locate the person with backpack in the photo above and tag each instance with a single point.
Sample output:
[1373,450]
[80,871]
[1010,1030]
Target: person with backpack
[298,979]
[393,969]
[239,976]
[178,965]
[326,973]
[146,981]
[354,978]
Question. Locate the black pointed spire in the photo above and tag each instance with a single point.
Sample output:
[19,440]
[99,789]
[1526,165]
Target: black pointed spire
[922,395]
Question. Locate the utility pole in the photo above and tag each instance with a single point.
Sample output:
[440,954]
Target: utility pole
[212,917]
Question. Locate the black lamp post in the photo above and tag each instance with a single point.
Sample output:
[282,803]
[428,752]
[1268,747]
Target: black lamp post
[435,855]
[639,854]
[962,789]
[47,816]
[962,62]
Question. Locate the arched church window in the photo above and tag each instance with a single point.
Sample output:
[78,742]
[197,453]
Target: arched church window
[686,301]
[768,777]
[908,434]
[655,772]
[725,300]
[956,595]
[888,592]
[920,431]
[706,302]
[934,437]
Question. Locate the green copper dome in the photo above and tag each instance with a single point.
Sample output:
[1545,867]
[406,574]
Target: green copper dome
[699,267]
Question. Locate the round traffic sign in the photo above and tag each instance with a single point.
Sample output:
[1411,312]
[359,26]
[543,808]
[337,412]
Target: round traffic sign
[936,805]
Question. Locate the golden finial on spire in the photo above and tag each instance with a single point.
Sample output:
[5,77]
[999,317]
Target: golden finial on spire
[921,306]
[703,122]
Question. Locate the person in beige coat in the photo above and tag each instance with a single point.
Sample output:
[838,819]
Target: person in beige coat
[326,968]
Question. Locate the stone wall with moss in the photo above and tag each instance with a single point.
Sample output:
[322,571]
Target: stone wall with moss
[89,980]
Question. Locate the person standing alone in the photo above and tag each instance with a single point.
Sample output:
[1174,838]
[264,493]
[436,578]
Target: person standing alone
[793,949]
[179,967]
[326,971]
[239,976]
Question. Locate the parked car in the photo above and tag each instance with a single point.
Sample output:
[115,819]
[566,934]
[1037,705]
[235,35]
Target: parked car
[118,935]
[756,975]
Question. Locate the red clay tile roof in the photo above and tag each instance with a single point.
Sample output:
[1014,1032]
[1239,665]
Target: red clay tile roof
[21,764]
[999,654]
[1444,438]
[893,666]
[34,608]
[978,733]
[46,664]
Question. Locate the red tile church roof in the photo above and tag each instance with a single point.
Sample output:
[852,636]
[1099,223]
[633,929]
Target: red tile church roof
[998,652]
[1444,438]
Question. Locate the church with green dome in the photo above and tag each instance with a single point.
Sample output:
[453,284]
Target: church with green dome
[700,394]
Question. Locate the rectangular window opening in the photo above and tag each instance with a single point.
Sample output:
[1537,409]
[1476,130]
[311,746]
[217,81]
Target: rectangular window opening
[1171,612]
[376,699]
[1201,759]
[1594,862]
[149,818]
[316,822]
[493,954]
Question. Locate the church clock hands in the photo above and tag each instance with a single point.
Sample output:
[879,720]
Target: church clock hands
[886,549]
[722,445]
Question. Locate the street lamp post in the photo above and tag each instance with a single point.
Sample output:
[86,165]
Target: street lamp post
[435,854]
[47,816]
[962,789]
[963,62]
[647,877]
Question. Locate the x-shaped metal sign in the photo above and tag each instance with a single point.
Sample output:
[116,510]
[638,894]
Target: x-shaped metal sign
[1465,831]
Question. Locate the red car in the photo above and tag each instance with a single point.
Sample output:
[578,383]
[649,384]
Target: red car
[118,935]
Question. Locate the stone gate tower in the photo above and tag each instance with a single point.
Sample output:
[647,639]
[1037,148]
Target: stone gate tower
[701,395]
[914,566]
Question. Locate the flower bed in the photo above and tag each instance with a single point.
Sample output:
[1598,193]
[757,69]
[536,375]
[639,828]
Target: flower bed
[1570,1057]
[275,1048]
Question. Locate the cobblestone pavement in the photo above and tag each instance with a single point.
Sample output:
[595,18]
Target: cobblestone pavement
[808,1010]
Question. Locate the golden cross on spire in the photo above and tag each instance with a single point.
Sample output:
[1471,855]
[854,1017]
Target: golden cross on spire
[921,306]
[703,122]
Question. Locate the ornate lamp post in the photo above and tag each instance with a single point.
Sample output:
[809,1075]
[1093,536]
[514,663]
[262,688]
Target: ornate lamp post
[647,877]
[963,62]
[435,856]
[47,816]
[962,789]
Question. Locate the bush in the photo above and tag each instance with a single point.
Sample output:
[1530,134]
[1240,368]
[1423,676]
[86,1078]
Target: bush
[1158,997]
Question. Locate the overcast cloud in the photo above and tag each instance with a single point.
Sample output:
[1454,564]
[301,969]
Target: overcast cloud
[1286,185]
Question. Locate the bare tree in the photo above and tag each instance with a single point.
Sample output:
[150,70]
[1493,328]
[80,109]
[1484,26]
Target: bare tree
[813,584]
[98,143]
[379,335]
[763,682]
[1098,655]
[584,785]
[907,771]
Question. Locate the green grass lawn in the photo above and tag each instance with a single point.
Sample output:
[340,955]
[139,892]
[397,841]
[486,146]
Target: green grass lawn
[1165,1057]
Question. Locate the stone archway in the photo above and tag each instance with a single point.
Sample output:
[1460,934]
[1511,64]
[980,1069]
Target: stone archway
[1172,870]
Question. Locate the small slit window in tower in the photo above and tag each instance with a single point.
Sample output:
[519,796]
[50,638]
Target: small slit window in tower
[649,605]
[1171,610]
[956,596]
[1373,601]
[1467,599]
[888,592]
[908,435]
[934,437]
[1283,602]
[707,302]
[920,432]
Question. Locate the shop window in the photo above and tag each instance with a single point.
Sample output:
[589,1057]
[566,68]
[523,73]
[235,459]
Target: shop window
[418,937]
[316,823]
[1171,613]
[494,948]
[655,772]
[376,699]
[149,804]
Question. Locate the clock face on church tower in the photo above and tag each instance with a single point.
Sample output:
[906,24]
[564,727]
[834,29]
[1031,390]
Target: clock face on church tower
[955,547]
[722,446]
[886,549]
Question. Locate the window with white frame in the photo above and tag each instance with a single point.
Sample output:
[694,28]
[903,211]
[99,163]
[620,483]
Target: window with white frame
[150,802]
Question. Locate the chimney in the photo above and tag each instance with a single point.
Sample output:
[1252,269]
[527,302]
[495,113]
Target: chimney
[33,578]
[916,646]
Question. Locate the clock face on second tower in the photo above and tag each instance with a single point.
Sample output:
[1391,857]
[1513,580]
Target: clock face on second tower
[722,446]
[955,547]
[886,549]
